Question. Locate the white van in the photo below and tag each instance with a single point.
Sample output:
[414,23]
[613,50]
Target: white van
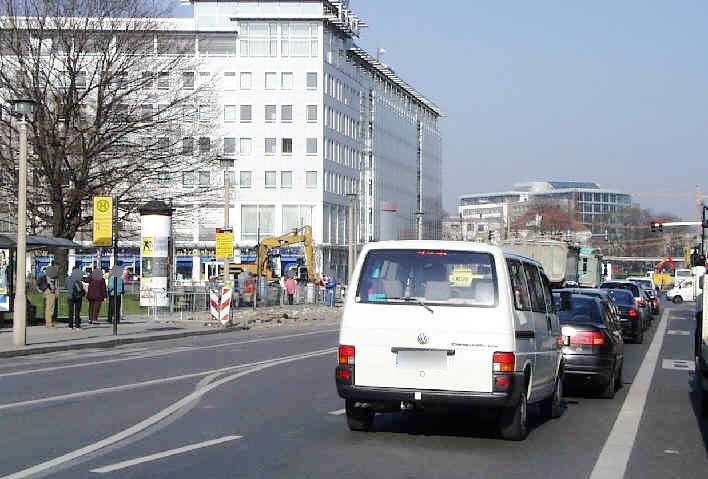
[449,323]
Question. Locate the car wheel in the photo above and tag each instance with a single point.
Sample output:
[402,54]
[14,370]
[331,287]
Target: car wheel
[678,300]
[610,388]
[553,406]
[619,382]
[359,418]
[639,337]
[513,421]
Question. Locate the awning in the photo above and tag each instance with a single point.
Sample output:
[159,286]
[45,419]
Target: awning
[9,240]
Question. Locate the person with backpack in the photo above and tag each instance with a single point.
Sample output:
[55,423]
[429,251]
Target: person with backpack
[97,293]
[75,294]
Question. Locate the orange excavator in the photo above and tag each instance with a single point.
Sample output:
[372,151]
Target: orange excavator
[663,277]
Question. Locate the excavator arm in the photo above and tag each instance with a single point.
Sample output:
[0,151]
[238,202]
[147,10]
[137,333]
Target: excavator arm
[295,236]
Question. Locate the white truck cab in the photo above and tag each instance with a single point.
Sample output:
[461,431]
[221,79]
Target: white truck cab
[448,324]
[687,289]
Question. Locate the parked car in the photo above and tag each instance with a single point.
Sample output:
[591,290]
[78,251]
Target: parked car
[446,324]
[630,317]
[593,348]
[639,298]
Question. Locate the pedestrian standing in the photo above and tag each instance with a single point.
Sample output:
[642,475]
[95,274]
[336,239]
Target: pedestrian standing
[290,288]
[331,291]
[322,286]
[75,294]
[96,295]
[50,296]
[115,295]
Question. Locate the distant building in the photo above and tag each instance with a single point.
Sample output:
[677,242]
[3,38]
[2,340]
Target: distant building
[584,201]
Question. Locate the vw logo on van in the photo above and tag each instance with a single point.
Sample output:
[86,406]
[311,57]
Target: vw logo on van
[423,338]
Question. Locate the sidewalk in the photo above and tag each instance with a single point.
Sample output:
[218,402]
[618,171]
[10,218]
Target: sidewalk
[143,328]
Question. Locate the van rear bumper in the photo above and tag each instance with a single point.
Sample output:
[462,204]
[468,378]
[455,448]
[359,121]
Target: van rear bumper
[369,394]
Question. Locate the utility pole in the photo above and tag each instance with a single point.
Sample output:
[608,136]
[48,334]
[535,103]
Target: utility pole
[227,206]
[350,264]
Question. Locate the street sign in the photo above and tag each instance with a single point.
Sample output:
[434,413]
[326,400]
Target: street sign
[224,243]
[102,221]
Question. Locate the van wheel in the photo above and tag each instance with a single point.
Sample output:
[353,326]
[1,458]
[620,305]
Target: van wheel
[513,421]
[553,406]
[359,418]
[678,300]
[611,387]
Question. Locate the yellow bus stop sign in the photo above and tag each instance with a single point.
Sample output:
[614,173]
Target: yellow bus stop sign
[102,221]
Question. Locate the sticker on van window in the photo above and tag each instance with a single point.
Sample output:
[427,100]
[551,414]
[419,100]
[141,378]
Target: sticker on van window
[430,252]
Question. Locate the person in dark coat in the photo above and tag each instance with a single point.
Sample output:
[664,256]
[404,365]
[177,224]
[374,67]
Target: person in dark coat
[96,295]
[75,295]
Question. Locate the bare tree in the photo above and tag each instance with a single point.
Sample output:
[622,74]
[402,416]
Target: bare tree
[114,84]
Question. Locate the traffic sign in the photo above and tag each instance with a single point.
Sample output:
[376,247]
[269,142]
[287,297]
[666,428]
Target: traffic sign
[102,221]
[224,243]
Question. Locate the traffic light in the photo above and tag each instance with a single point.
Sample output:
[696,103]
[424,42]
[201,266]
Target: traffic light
[656,225]
[661,226]
[652,225]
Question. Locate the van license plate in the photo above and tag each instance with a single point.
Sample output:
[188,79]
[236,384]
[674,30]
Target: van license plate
[421,360]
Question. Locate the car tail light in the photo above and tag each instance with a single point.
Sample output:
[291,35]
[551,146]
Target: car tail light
[641,302]
[633,313]
[346,355]
[503,362]
[591,338]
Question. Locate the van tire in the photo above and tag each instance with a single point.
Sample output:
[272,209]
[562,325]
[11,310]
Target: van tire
[553,406]
[359,418]
[677,300]
[513,421]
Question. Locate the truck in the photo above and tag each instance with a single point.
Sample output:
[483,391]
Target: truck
[701,348]
[559,259]
[687,289]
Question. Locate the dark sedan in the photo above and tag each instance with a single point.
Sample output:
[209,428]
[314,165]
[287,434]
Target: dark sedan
[630,316]
[593,349]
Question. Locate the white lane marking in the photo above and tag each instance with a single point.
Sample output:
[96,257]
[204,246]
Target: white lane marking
[161,455]
[128,387]
[678,364]
[613,459]
[154,419]
[338,412]
[155,354]
[678,332]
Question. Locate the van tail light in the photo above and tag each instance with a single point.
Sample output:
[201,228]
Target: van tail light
[346,355]
[503,362]
[587,338]
[640,302]
[633,313]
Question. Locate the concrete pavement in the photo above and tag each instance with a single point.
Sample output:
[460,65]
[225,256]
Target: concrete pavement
[144,328]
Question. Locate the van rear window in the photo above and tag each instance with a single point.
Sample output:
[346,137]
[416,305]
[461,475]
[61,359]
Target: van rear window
[429,276]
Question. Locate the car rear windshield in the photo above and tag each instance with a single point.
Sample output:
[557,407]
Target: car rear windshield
[430,276]
[631,287]
[622,297]
[575,308]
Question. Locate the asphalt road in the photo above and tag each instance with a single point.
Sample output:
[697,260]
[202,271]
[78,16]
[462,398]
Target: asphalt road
[262,404]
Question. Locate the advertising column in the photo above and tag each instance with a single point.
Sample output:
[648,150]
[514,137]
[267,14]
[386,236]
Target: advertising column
[155,236]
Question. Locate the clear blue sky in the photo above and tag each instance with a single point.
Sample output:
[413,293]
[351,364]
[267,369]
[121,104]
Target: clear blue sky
[613,92]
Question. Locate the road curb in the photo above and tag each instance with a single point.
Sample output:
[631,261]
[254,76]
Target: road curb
[114,341]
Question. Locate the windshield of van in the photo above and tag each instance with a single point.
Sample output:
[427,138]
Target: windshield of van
[431,276]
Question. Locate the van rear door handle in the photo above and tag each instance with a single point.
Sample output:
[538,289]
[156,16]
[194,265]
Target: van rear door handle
[525,334]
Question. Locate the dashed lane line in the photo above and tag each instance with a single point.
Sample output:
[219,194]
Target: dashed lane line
[161,455]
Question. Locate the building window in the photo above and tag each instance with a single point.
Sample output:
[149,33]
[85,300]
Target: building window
[163,81]
[312,146]
[244,178]
[271,81]
[270,146]
[190,113]
[188,179]
[229,146]
[146,112]
[230,113]
[312,80]
[286,80]
[246,146]
[230,176]
[311,179]
[229,80]
[204,144]
[187,145]
[246,114]
[258,39]
[148,79]
[270,113]
[204,79]
[299,39]
[163,144]
[311,113]
[188,80]
[286,113]
[246,80]
[204,113]
[270,179]
[204,179]
[286,179]
[287,145]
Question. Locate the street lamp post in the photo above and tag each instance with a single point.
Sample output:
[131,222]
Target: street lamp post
[350,264]
[23,108]
[419,224]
